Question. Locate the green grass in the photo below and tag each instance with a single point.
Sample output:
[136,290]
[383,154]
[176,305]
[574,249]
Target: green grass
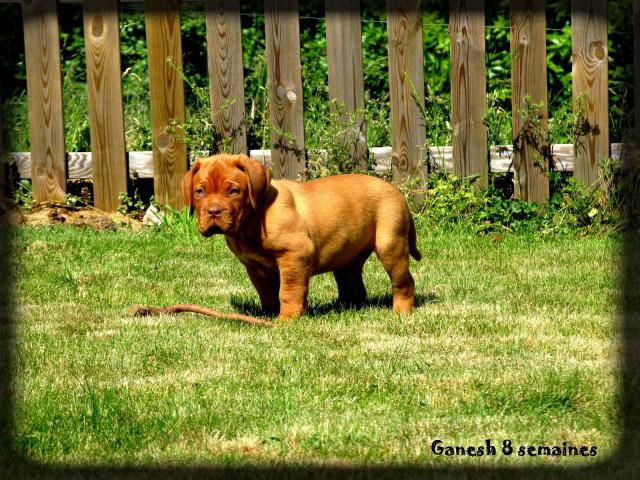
[514,339]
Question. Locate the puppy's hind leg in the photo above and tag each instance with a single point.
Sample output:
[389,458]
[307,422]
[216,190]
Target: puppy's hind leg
[351,289]
[394,256]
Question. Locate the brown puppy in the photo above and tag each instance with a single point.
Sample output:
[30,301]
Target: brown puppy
[285,231]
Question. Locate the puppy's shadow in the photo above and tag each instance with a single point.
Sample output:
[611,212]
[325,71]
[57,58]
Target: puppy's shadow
[251,306]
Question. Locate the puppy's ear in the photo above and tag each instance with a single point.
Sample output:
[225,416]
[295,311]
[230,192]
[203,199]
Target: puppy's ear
[187,186]
[258,176]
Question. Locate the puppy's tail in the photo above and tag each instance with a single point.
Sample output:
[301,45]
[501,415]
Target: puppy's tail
[413,247]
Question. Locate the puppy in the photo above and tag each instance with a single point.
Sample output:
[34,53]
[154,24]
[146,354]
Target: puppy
[284,231]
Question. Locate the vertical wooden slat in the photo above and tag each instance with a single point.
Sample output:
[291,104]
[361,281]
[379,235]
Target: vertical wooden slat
[346,79]
[224,44]
[406,75]
[44,87]
[162,20]
[589,74]
[468,88]
[104,91]
[529,78]
[284,77]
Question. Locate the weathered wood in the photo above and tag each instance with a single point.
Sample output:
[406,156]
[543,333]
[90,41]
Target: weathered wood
[104,93]
[284,78]
[406,87]
[141,164]
[440,157]
[226,78]
[501,158]
[346,78]
[590,76]
[468,88]
[162,19]
[79,164]
[529,79]
[44,87]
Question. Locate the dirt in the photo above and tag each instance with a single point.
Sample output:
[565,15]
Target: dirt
[82,217]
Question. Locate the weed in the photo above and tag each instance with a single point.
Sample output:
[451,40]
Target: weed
[23,194]
[532,134]
[497,119]
[580,125]
[340,151]
[131,205]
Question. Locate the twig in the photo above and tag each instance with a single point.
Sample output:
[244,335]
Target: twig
[138,310]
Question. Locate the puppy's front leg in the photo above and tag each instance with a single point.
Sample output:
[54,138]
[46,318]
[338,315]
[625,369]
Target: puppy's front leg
[267,284]
[295,273]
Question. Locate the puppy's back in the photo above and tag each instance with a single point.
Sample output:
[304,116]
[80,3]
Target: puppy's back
[345,212]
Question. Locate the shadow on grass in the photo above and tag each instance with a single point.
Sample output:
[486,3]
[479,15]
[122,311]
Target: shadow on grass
[250,306]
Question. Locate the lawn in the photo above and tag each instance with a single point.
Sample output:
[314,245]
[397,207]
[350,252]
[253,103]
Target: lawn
[514,338]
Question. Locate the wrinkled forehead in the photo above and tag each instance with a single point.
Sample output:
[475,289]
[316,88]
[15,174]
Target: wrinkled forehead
[217,172]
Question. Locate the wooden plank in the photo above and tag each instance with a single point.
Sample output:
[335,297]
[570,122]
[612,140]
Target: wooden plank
[225,71]
[80,164]
[529,79]
[44,87]
[162,20]
[104,93]
[284,78]
[406,87]
[501,158]
[141,164]
[346,78]
[590,76]
[468,88]
[440,157]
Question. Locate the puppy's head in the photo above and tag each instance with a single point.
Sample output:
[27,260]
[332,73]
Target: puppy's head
[223,190]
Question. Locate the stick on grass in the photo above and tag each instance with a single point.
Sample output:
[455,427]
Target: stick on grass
[140,311]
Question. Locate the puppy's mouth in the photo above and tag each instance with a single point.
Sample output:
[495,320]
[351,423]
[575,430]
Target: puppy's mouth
[211,230]
[209,226]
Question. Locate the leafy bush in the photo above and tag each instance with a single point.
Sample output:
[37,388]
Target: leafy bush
[572,207]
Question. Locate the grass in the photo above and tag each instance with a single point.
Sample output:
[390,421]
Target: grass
[514,339]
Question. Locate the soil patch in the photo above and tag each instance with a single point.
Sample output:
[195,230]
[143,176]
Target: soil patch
[83,217]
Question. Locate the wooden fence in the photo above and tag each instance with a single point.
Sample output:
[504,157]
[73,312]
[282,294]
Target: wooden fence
[49,166]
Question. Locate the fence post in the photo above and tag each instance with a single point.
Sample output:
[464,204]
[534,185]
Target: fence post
[468,88]
[406,87]
[282,29]
[226,80]
[346,79]
[529,78]
[44,86]
[104,92]
[162,19]
[589,74]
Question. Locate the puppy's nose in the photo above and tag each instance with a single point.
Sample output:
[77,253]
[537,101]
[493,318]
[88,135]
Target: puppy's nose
[214,210]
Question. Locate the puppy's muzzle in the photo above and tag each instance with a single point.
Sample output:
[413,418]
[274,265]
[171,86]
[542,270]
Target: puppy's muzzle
[214,211]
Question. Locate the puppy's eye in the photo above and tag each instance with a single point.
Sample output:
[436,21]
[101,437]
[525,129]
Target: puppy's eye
[234,191]
[199,191]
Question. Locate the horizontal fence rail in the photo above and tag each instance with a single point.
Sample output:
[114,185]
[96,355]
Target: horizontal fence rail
[108,164]
[80,164]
